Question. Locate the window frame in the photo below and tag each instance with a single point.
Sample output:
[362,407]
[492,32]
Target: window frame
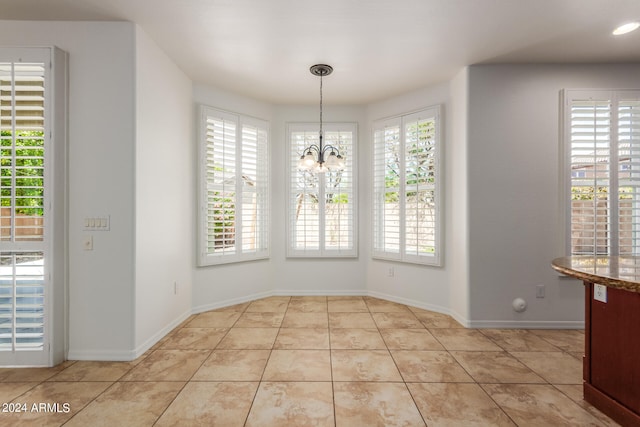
[351,161]
[380,249]
[53,245]
[613,97]
[262,191]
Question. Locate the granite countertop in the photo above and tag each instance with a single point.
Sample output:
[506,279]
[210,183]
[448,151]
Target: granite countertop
[622,272]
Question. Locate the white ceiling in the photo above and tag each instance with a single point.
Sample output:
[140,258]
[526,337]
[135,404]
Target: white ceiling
[378,48]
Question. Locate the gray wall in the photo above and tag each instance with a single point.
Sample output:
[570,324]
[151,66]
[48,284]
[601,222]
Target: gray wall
[513,187]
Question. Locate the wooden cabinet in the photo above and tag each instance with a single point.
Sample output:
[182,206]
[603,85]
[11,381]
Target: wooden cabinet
[612,354]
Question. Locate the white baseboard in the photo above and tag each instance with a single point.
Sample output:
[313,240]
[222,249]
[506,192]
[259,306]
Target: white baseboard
[424,306]
[323,293]
[128,355]
[474,324]
[482,324]
[410,302]
[230,302]
[525,324]
[102,355]
[142,348]
[275,292]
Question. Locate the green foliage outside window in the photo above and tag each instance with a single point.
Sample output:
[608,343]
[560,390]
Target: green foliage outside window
[29,171]
[602,192]
[419,155]
[222,207]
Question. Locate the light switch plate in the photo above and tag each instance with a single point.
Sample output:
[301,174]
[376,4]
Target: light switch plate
[600,293]
[97,223]
[87,243]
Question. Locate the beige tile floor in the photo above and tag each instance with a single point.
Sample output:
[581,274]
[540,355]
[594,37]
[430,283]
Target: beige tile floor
[319,361]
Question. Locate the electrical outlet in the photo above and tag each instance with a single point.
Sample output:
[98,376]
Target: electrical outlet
[600,293]
[539,291]
[175,288]
[390,272]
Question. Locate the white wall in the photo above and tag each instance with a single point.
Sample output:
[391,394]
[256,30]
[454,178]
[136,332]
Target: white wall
[427,287]
[513,176]
[456,198]
[100,145]
[500,200]
[500,193]
[223,285]
[59,204]
[164,194]
[278,274]
[421,286]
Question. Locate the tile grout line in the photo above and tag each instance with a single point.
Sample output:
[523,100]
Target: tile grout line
[567,346]
[189,380]
[546,382]
[404,381]
[113,383]
[211,351]
[333,387]
[266,363]
[483,389]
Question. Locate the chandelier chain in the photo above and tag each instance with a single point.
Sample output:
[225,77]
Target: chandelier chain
[321,74]
[318,163]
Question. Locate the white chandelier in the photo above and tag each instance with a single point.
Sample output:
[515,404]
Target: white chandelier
[321,158]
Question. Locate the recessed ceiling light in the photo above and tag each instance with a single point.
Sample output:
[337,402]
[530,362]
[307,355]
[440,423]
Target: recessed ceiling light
[626,28]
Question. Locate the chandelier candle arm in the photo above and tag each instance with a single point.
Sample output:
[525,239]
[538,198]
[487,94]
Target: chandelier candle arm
[315,158]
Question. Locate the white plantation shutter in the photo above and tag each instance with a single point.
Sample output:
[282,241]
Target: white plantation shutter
[22,206]
[406,212]
[22,297]
[322,207]
[628,127]
[234,188]
[339,198]
[420,185]
[386,189]
[221,185]
[22,142]
[304,198]
[254,186]
[603,152]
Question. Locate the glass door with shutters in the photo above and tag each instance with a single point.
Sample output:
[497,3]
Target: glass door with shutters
[23,207]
